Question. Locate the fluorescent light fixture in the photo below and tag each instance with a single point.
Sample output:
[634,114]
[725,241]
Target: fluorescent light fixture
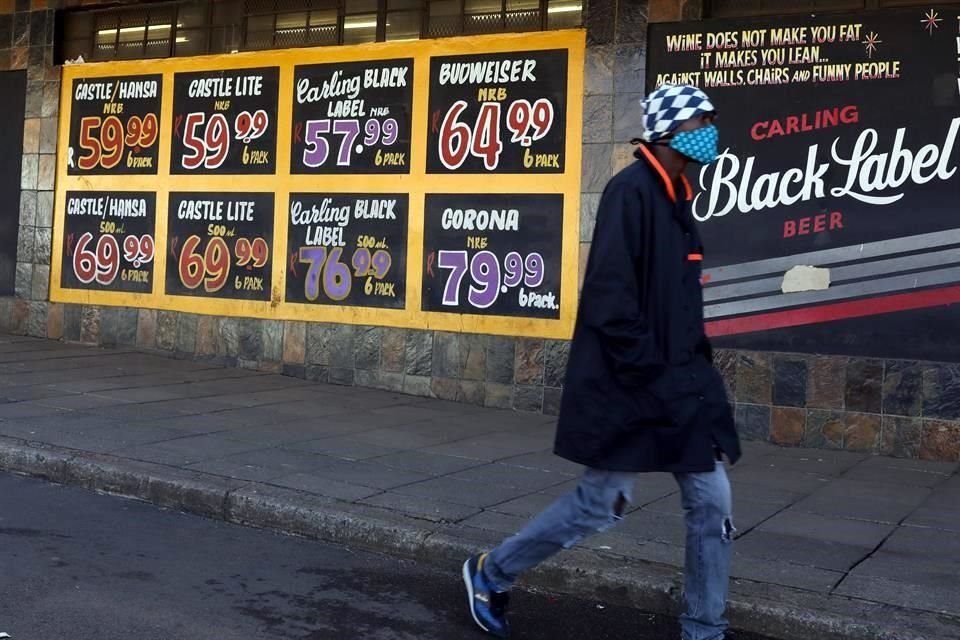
[157,27]
[370,24]
[566,9]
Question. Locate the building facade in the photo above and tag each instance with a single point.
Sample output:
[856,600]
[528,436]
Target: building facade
[851,365]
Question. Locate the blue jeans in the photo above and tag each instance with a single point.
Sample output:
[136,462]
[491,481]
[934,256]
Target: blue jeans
[599,502]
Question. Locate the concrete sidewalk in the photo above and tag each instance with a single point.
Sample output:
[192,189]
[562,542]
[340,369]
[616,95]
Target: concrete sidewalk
[831,544]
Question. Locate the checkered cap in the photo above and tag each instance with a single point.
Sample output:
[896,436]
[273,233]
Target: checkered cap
[670,106]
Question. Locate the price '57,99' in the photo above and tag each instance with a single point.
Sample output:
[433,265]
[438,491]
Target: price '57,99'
[527,122]
[104,140]
[207,140]
[375,132]
[212,268]
[488,277]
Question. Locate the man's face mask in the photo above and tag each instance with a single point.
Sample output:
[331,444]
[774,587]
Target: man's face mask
[700,145]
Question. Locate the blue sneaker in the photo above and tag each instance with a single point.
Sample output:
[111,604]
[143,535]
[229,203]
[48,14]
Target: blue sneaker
[487,606]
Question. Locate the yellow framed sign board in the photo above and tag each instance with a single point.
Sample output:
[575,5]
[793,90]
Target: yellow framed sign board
[430,184]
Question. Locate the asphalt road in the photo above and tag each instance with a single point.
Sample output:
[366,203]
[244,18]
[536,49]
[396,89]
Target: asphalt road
[75,565]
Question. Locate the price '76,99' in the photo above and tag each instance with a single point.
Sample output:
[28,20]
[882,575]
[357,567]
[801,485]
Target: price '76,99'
[489,280]
[336,282]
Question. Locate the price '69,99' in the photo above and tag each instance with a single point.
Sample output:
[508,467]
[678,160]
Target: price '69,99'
[212,267]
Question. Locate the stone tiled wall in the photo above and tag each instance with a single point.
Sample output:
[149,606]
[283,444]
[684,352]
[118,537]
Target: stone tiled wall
[892,407]
[906,409]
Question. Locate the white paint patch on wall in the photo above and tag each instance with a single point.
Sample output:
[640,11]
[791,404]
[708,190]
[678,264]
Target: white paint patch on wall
[805,278]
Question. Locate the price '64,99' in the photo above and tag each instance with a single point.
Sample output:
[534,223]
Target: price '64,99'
[488,278]
[527,122]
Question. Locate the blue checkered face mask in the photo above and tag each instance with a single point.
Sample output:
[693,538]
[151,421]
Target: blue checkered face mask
[700,145]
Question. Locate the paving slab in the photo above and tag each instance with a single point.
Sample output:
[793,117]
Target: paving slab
[830,545]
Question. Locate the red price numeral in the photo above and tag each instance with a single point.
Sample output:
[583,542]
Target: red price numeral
[210,269]
[252,254]
[209,150]
[249,126]
[457,139]
[138,250]
[104,148]
[523,116]
[100,265]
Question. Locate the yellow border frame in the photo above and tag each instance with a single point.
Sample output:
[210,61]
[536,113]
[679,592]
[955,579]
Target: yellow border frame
[417,183]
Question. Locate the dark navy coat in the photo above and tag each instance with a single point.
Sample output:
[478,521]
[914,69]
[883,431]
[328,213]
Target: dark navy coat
[641,392]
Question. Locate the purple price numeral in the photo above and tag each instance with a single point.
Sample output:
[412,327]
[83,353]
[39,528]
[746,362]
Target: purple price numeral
[317,149]
[349,129]
[513,269]
[485,271]
[535,274]
[456,261]
[361,262]
[382,261]
[314,257]
[391,131]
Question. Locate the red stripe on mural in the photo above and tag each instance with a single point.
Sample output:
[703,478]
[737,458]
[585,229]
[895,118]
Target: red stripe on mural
[837,311]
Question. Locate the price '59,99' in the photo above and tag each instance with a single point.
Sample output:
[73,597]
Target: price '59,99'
[104,140]
[207,140]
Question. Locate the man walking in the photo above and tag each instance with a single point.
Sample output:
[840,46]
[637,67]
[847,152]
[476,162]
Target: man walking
[641,393]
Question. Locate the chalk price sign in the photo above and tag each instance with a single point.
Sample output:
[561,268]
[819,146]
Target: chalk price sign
[225,122]
[348,249]
[108,242]
[114,125]
[352,117]
[220,245]
[493,254]
[501,113]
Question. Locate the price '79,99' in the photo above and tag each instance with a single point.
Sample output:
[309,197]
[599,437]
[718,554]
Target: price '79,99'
[489,277]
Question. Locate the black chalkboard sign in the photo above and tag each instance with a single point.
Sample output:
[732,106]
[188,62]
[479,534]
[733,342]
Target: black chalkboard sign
[108,241]
[839,141]
[225,122]
[219,245]
[348,249]
[114,125]
[492,254]
[352,117]
[498,113]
